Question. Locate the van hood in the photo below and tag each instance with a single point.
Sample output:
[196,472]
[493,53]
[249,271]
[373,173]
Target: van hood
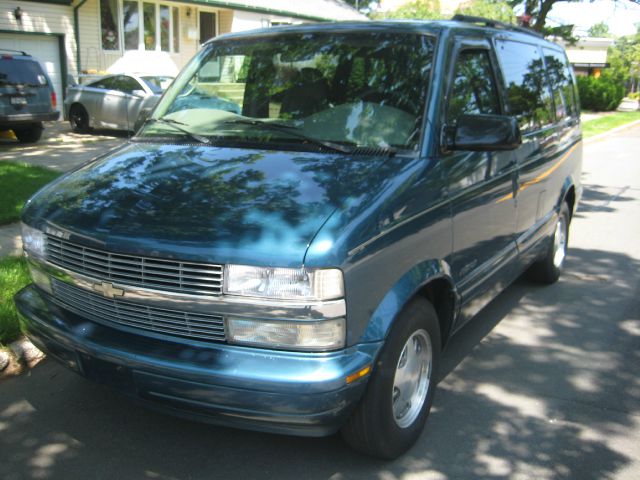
[204,203]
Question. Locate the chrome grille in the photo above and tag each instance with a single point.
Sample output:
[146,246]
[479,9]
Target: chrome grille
[116,313]
[159,274]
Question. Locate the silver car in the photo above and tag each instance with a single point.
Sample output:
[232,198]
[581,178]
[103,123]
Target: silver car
[114,101]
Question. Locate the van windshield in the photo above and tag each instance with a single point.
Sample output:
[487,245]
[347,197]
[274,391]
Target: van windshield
[21,72]
[352,89]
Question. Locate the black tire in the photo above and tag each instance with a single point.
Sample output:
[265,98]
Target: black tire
[79,119]
[547,270]
[374,428]
[30,134]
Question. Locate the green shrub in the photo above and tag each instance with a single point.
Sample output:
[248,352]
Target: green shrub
[634,95]
[600,94]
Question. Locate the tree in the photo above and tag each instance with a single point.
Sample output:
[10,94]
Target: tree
[599,29]
[624,60]
[417,9]
[494,9]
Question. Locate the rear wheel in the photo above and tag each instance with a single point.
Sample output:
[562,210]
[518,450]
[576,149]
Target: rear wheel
[79,119]
[393,411]
[548,268]
[30,134]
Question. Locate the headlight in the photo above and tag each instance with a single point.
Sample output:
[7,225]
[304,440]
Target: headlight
[284,283]
[33,240]
[283,334]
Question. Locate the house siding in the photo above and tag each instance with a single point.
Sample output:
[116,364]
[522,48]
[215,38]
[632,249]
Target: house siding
[248,20]
[42,18]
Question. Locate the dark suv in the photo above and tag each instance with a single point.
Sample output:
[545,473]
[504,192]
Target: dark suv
[27,97]
[294,257]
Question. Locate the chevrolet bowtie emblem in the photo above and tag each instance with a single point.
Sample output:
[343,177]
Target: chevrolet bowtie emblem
[108,290]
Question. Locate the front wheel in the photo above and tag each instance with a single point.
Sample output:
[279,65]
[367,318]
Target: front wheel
[548,268]
[394,409]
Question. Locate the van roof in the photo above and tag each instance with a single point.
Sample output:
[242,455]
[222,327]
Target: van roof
[401,26]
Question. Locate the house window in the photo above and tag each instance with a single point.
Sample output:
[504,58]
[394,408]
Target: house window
[131,20]
[109,24]
[149,13]
[176,29]
[142,26]
[165,23]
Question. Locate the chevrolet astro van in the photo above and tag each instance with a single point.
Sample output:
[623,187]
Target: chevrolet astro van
[305,219]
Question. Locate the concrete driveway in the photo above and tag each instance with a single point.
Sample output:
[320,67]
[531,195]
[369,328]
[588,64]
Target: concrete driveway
[60,148]
[543,384]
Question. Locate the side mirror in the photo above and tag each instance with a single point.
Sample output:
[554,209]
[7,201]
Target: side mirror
[139,93]
[142,116]
[483,133]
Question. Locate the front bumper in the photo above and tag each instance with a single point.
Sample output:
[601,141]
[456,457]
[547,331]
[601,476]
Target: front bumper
[23,119]
[280,392]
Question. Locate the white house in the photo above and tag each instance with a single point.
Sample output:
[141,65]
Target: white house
[589,54]
[76,37]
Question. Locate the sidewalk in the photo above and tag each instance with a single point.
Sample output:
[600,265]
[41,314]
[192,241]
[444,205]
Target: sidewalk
[10,241]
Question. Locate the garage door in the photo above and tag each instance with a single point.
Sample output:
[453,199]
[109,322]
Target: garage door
[42,47]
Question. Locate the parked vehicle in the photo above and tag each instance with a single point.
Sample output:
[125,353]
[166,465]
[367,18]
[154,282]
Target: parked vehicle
[299,266]
[112,102]
[27,97]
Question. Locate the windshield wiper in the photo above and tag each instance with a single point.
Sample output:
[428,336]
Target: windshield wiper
[177,125]
[289,130]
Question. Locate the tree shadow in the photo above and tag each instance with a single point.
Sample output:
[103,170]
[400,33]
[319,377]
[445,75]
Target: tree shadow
[60,148]
[538,385]
[600,198]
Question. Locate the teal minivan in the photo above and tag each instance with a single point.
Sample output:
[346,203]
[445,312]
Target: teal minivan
[27,97]
[305,219]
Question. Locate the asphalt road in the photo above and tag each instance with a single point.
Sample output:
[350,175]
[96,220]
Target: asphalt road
[543,384]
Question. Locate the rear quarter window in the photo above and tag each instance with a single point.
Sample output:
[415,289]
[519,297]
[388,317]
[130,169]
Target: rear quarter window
[527,88]
[561,82]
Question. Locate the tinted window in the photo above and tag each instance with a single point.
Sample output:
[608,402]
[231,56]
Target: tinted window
[473,88]
[127,84]
[21,72]
[561,83]
[105,83]
[527,88]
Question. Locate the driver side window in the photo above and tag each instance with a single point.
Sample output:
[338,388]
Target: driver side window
[473,89]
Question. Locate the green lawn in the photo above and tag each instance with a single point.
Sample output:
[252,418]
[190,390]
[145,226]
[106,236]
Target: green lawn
[603,124]
[13,276]
[18,182]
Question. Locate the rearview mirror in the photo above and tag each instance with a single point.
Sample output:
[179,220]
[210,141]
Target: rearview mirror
[483,133]
[139,93]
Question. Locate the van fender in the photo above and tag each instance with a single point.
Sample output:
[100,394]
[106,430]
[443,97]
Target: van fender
[566,187]
[406,288]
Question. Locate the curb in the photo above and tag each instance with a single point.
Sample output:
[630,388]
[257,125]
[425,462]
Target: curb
[18,357]
[602,135]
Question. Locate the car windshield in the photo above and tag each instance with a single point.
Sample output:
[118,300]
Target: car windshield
[21,72]
[157,84]
[303,89]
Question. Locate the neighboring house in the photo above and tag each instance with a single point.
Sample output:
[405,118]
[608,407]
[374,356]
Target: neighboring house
[76,37]
[589,55]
